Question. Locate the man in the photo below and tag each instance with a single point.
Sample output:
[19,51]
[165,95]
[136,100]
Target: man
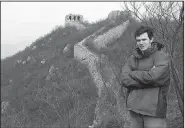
[146,76]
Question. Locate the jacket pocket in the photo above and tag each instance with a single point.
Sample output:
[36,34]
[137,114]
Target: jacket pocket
[143,101]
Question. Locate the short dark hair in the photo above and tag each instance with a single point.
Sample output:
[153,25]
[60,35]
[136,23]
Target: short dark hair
[142,30]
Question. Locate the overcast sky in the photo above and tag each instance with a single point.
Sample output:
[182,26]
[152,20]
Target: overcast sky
[24,22]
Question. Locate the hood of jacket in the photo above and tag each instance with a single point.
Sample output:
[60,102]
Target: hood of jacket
[154,46]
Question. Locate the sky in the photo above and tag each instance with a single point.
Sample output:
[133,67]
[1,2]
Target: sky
[24,22]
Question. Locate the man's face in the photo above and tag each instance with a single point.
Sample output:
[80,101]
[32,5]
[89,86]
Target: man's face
[143,41]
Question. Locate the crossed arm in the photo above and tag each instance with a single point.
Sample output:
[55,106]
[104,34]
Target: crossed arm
[155,77]
[126,80]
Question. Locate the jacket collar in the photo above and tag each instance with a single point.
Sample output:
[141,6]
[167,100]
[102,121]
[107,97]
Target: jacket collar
[154,47]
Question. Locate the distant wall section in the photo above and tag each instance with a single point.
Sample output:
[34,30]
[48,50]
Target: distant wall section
[116,13]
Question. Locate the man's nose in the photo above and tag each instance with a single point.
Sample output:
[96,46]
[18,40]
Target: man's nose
[141,42]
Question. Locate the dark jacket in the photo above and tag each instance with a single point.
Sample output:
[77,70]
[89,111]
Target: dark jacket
[147,78]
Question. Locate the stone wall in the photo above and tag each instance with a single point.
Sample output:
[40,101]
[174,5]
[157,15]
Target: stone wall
[92,61]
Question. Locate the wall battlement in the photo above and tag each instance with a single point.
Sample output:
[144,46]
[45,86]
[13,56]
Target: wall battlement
[73,18]
[74,21]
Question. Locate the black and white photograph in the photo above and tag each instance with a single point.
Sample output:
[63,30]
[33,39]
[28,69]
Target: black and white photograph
[81,64]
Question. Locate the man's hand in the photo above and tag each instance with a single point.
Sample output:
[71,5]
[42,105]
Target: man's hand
[128,82]
[153,67]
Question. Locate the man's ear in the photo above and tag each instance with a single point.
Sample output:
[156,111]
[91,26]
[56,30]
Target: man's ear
[152,39]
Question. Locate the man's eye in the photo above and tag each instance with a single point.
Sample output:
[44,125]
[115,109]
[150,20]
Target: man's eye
[138,40]
[143,39]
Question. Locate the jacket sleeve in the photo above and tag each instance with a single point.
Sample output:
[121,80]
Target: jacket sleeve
[159,75]
[126,80]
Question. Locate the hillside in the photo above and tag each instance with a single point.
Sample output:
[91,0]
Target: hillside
[46,87]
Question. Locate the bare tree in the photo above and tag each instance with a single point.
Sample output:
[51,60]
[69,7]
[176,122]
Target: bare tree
[168,20]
